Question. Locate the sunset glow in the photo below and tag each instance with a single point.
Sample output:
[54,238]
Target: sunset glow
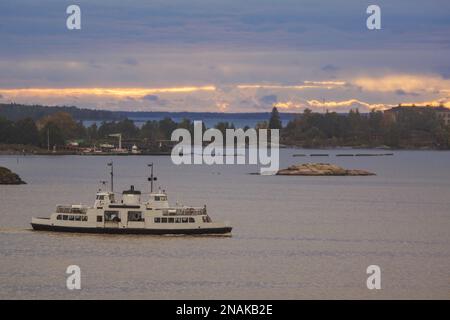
[116,92]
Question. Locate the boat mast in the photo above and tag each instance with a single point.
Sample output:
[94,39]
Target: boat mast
[48,139]
[112,175]
[151,178]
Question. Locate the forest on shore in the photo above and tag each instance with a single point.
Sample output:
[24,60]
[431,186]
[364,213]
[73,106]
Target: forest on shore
[309,129]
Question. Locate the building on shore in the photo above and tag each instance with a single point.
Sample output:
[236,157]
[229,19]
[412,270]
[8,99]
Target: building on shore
[441,111]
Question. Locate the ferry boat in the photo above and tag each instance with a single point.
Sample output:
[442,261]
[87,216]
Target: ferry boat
[132,215]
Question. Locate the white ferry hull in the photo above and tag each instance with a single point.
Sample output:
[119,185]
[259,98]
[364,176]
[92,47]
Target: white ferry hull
[210,230]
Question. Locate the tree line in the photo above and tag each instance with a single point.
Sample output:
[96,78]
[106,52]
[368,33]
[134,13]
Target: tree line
[408,128]
[309,130]
[14,112]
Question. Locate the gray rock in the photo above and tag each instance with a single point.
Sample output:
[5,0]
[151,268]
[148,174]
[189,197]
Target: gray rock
[321,169]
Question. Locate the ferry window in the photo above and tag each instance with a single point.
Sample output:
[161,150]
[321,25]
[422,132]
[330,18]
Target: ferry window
[77,218]
[178,220]
[156,198]
[163,220]
[85,218]
[101,197]
[191,220]
[99,218]
[162,198]
[184,220]
[171,220]
[59,217]
[64,217]
[157,220]
[71,218]
[111,215]
[135,216]
[206,219]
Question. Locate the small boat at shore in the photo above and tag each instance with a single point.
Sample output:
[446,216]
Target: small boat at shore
[131,215]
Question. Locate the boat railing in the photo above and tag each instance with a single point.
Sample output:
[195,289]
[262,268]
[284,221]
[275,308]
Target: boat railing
[184,211]
[70,209]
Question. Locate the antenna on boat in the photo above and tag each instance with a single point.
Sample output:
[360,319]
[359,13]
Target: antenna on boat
[103,182]
[110,164]
[151,178]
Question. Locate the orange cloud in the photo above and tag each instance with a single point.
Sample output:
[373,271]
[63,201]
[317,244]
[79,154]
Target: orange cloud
[404,82]
[108,92]
[288,105]
[305,85]
[222,106]
[347,103]
[432,103]
[354,103]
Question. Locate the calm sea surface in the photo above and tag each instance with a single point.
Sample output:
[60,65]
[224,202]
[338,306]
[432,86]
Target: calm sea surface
[293,237]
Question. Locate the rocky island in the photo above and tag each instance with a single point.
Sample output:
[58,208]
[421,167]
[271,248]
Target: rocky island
[321,169]
[9,177]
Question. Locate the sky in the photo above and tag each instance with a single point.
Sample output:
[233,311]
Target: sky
[225,55]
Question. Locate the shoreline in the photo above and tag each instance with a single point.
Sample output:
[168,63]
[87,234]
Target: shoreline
[24,150]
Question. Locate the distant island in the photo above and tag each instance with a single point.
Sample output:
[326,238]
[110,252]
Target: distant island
[321,169]
[14,112]
[61,130]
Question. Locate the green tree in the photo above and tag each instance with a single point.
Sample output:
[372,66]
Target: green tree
[150,131]
[127,128]
[223,126]
[51,133]
[26,132]
[261,125]
[166,127]
[275,121]
[6,130]
[92,132]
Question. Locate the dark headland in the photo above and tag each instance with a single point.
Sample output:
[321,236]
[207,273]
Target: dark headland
[9,177]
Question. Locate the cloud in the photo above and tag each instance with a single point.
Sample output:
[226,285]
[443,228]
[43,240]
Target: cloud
[444,71]
[303,86]
[340,106]
[330,68]
[130,61]
[103,92]
[352,103]
[269,99]
[318,95]
[179,43]
[150,97]
[445,102]
[403,83]
[401,92]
